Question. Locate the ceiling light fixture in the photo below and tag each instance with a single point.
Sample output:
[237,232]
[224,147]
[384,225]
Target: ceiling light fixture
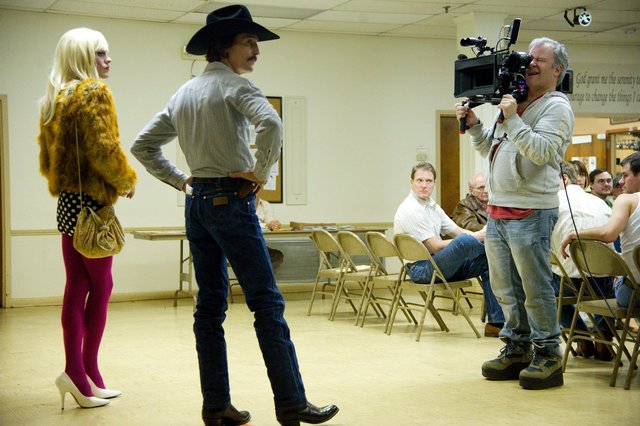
[584,18]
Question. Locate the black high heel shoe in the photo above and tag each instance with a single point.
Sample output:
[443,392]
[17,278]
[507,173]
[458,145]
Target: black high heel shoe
[228,416]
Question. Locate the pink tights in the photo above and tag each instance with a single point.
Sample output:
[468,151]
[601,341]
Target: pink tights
[84,314]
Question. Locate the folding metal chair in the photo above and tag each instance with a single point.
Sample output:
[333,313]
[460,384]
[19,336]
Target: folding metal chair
[352,273]
[567,295]
[476,292]
[383,249]
[636,347]
[595,258]
[411,250]
[328,274]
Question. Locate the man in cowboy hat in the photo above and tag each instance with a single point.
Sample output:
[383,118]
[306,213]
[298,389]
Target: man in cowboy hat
[211,115]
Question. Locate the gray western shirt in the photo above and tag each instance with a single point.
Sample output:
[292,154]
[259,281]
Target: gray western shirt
[210,115]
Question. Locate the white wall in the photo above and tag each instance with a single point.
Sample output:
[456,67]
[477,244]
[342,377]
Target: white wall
[371,102]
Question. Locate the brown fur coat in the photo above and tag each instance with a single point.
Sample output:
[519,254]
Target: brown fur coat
[106,172]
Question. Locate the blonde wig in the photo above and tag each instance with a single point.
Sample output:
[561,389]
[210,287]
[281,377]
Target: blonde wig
[74,60]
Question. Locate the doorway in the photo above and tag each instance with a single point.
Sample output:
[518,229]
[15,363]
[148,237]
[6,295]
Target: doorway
[449,168]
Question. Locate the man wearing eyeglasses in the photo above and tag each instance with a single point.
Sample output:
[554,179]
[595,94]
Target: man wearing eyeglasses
[601,184]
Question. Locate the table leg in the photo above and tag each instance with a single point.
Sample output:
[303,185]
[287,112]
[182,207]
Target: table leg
[186,275]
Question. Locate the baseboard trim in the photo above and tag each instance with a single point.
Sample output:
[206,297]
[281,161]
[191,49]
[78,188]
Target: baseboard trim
[290,291]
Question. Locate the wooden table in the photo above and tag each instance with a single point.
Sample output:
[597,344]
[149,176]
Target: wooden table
[185,278]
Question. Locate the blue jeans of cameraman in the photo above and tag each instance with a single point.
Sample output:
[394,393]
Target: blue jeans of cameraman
[462,258]
[221,226]
[518,254]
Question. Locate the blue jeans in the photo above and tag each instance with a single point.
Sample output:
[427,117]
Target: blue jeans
[221,226]
[518,255]
[463,258]
[603,286]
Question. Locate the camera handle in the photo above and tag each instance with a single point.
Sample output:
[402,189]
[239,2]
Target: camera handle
[463,120]
[517,94]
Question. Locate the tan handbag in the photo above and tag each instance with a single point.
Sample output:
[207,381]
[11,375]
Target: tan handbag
[98,234]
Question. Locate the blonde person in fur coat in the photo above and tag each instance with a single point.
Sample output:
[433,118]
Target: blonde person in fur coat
[76,102]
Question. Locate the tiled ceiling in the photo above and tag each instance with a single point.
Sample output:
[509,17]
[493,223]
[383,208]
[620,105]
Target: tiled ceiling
[615,22]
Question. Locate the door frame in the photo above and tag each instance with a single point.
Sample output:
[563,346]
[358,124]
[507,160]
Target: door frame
[5,226]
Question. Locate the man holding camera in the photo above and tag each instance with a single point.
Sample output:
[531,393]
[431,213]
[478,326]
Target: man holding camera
[524,148]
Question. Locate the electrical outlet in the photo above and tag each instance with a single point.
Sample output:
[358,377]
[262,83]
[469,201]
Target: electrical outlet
[421,154]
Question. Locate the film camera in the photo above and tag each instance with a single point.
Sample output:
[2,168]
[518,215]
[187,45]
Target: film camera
[494,73]
[488,77]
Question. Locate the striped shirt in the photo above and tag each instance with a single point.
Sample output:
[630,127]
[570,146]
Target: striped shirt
[211,116]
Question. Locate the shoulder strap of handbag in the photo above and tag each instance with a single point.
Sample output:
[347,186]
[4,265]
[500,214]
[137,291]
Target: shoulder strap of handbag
[78,161]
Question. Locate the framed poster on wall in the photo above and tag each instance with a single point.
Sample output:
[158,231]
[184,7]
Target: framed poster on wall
[272,191]
[623,120]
